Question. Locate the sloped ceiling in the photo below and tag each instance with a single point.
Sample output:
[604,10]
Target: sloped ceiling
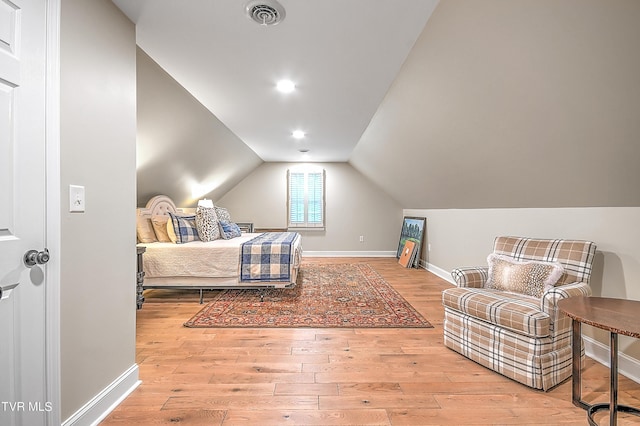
[183,150]
[499,104]
[342,55]
[513,104]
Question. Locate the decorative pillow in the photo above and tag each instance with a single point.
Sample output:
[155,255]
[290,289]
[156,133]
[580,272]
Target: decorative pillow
[222,213]
[171,232]
[144,230]
[185,228]
[207,223]
[529,278]
[229,230]
[160,227]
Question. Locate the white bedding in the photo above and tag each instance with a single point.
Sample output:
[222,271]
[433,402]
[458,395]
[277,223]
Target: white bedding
[198,265]
[213,259]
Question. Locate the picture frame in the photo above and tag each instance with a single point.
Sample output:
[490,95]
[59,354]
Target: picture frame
[412,229]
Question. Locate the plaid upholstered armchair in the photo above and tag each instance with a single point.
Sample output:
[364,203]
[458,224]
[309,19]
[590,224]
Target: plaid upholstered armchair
[505,316]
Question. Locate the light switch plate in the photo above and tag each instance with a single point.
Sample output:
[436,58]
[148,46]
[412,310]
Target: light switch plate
[76,198]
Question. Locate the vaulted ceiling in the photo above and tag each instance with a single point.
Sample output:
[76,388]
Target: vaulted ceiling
[449,104]
[341,55]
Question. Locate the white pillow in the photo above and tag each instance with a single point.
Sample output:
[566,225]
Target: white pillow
[144,230]
[160,228]
[171,232]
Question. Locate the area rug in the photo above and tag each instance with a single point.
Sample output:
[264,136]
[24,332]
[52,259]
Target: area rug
[329,295]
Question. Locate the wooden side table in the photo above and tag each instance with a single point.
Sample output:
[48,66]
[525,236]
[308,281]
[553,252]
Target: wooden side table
[140,277]
[618,316]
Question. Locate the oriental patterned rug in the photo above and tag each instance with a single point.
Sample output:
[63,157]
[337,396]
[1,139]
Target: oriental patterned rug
[335,295]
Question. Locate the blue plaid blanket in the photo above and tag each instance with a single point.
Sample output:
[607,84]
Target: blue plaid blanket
[267,257]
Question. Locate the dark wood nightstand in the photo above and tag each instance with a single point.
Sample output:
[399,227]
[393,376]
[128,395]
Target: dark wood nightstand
[140,277]
[245,226]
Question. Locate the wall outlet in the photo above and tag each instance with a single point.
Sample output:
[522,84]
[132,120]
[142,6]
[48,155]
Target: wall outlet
[362,238]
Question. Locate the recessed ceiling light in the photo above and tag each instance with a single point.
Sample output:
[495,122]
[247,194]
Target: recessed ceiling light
[303,150]
[298,134]
[285,86]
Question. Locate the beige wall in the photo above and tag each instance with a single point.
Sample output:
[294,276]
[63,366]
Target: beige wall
[503,103]
[98,256]
[519,117]
[181,144]
[465,238]
[354,207]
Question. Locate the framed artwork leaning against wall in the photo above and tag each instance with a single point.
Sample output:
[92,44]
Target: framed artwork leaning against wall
[412,230]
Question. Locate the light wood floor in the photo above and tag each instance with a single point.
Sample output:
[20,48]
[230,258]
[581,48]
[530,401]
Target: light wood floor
[262,376]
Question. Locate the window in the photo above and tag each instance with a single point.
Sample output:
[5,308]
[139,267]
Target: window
[305,200]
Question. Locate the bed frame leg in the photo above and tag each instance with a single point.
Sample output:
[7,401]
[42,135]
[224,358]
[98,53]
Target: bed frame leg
[201,297]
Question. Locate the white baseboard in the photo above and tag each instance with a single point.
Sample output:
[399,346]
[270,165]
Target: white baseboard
[627,366]
[348,254]
[445,275]
[94,411]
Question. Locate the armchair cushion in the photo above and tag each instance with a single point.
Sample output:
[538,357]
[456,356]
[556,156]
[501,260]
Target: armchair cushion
[530,278]
[518,313]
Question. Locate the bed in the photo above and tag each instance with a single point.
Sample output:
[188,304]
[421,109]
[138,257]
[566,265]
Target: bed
[249,261]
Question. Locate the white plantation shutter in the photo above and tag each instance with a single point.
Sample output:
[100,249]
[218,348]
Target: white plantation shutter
[296,199]
[305,191]
[315,199]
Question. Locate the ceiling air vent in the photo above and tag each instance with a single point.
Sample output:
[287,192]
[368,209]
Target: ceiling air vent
[265,12]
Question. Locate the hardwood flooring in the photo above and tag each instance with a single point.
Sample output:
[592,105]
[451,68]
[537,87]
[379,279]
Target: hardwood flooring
[325,376]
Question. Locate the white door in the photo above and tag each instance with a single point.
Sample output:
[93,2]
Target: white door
[23,395]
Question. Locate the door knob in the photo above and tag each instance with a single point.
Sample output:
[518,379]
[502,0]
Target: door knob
[35,257]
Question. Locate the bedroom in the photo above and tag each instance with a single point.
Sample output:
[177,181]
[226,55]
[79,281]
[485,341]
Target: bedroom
[589,190]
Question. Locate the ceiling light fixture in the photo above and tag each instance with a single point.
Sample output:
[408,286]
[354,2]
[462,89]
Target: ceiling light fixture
[298,134]
[285,86]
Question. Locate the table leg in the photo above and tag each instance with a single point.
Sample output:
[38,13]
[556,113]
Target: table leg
[612,406]
[576,352]
[613,380]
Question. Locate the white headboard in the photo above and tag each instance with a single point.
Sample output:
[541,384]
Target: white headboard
[160,205]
